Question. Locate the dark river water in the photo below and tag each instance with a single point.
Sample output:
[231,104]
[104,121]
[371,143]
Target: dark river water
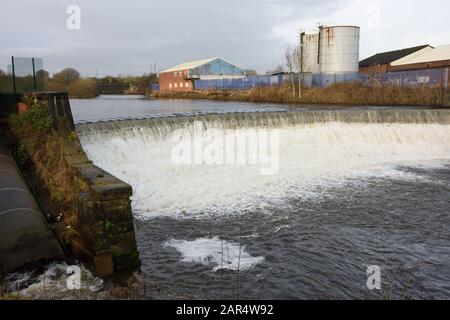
[347,196]
[109,107]
[317,248]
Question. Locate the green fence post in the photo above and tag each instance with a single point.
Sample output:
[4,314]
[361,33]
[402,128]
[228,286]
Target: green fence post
[14,75]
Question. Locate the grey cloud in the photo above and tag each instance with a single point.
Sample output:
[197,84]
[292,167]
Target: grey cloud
[128,36]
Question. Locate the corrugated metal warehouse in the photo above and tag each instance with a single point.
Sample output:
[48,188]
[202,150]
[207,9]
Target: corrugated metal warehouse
[416,58]
[182,77]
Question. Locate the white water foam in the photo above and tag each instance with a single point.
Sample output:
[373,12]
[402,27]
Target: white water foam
[220,254]
[313,155]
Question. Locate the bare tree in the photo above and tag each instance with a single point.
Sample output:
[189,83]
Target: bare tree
[302,63]
[290,62]
[299,63]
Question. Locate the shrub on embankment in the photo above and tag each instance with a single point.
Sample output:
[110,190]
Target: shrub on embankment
[70,80]
[40,153]
[337,94]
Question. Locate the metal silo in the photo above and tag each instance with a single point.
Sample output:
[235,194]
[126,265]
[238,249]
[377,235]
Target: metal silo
[339,49]
[309,44]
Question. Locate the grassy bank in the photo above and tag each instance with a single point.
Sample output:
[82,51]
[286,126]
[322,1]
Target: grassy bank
[337,94]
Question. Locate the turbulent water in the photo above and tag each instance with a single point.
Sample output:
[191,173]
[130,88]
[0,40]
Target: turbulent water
[353,189]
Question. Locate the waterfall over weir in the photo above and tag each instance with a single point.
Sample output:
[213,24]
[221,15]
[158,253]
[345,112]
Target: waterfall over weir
[316,150]
[164,125]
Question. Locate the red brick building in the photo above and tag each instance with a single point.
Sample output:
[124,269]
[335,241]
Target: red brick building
[181,78]
[176,81]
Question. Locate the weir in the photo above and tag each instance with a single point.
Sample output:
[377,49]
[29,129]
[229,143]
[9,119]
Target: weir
[165,125]
[313,146]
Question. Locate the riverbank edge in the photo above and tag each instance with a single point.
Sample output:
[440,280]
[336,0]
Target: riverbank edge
[345,94]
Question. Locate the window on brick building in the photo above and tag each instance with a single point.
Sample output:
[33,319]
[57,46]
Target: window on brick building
[181,85]
[170,85]
[176,85]
[186,84]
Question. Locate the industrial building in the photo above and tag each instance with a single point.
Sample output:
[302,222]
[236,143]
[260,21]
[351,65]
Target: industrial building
[330,50]
[415,58]
[182,77]
[381,62]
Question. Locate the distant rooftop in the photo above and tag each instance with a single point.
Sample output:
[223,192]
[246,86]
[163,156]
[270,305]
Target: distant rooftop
[390,56]
[189,65]
[195,64]
[434,54]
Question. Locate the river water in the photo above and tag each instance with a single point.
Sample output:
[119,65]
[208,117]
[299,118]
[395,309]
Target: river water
[353,189]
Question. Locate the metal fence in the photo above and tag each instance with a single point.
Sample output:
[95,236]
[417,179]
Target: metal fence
[428,77]
[155,86]
[24,75]
[425,77]
[251,82]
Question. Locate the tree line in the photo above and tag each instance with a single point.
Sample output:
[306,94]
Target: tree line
[70,80]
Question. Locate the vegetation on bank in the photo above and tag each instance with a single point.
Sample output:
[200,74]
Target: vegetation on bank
[85,88]
[349,93]
[40,153]
[78,87]
[70,80]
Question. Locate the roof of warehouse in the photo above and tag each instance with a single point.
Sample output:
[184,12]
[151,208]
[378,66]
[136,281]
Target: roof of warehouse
[189,65]
[436,54]
[194,64]
[388,57]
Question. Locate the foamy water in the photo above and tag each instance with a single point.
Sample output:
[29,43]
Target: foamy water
[313,155]
[215,252]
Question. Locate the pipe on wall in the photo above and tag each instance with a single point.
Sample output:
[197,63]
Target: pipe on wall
[25,236]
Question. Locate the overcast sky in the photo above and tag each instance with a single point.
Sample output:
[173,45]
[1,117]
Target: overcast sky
[127,37]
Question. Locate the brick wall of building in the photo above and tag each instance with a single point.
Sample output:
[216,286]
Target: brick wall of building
[383,68]
[175,81]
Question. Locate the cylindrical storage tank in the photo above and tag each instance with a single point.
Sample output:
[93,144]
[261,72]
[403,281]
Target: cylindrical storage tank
[309,44]
[339,49]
